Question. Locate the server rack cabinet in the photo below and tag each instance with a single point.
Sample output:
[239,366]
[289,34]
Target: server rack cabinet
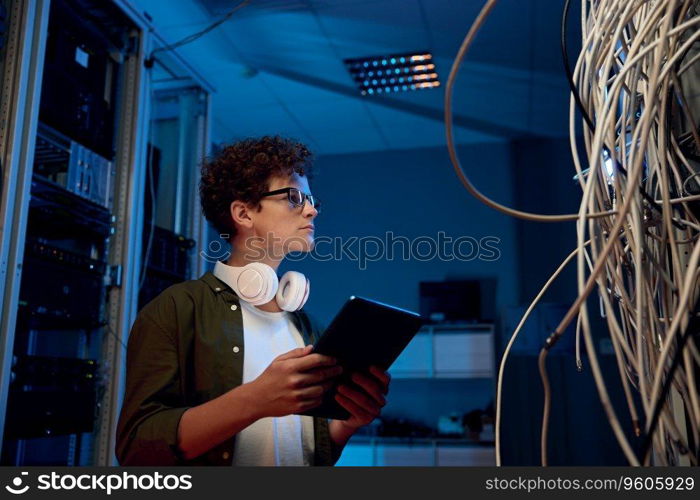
[51,267]
[105,174]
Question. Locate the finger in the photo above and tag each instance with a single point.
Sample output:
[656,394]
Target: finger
[309,404]
[313,361]
[326,373]
[360,399]
[354,409]
[310,392]
[371,386]
[320,375]
[295,353]
[315,390]
[384,377]
[327,385]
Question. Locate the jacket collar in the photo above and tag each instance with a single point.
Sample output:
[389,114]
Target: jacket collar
[216,285]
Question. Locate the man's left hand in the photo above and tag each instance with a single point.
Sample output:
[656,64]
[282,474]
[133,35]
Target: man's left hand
[365,399]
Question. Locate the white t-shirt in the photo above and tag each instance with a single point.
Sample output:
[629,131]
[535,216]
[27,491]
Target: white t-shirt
[285,440]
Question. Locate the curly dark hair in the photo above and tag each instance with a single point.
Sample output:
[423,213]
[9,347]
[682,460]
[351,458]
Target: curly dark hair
[242,171]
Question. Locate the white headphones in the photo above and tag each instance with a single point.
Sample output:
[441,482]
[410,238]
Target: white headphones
[257,284]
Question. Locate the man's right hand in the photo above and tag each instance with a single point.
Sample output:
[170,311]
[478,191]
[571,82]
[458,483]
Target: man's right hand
[293,383]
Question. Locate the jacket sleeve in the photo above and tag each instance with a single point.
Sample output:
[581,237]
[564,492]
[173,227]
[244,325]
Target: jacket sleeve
[153,402]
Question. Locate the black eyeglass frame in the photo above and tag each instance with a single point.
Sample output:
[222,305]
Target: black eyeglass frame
[315,202]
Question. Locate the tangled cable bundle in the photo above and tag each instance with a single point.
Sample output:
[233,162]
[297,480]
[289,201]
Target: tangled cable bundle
[636,85]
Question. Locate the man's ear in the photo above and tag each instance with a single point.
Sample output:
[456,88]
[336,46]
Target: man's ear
[240,213]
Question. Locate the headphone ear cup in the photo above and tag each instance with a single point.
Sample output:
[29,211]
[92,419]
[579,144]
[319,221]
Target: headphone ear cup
[293,291]
[257,283]
[306,294]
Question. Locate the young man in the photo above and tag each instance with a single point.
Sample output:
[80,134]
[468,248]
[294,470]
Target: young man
[213,379]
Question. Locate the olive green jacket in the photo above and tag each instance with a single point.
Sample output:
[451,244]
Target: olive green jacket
[186,348]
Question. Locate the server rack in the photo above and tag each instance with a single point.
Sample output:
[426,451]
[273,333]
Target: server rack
[71,172]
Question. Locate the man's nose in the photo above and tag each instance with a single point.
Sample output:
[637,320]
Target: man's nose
[310,210]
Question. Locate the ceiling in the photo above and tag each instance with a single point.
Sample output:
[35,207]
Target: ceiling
[277,67]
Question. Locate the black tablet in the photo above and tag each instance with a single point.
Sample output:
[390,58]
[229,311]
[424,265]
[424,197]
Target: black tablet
[362,334]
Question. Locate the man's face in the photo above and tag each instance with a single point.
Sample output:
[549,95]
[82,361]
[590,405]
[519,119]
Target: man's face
[284,227]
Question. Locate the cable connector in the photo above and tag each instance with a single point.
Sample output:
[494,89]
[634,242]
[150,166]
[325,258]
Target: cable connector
[551,340]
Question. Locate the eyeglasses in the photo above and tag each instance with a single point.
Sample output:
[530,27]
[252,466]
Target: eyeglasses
[296,197]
